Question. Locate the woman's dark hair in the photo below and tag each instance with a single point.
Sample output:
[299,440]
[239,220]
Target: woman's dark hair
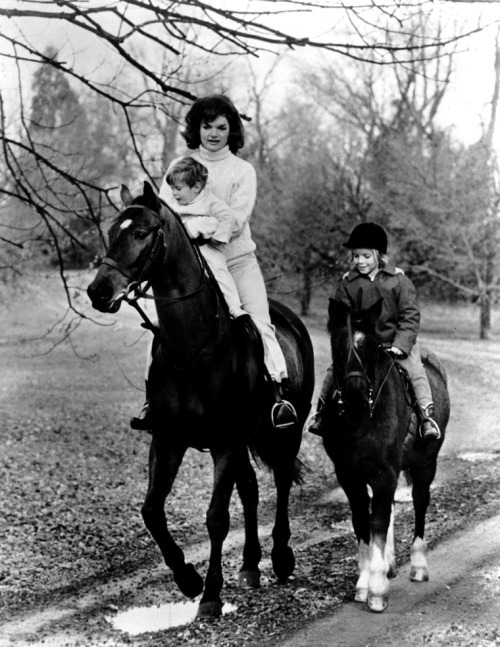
[206,110]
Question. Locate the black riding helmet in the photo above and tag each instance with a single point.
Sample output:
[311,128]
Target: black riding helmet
[368,235]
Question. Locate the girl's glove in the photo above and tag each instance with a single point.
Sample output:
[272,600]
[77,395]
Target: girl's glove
[396,352]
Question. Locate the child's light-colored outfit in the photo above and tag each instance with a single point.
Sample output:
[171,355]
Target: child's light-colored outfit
[234,181]
[211,218]
[399,321]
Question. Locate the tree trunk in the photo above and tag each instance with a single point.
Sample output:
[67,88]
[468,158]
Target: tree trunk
[306,294]
[485,316]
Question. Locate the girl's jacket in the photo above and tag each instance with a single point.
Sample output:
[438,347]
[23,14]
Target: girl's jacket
[399,321]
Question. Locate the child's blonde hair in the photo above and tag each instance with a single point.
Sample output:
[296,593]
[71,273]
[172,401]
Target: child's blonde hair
[382,259]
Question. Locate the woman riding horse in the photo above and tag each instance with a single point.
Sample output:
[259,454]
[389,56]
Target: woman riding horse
[214,135]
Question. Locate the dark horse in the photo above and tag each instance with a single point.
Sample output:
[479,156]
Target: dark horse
[206,390]
[371,436]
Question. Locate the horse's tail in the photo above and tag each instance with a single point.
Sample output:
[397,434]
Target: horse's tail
[273,456]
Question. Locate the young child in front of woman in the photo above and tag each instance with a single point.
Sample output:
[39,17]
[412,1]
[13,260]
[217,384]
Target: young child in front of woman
[206,216]
[373,277]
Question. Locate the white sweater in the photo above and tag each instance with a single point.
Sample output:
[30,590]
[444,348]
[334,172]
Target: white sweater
[216,222]
[234,181]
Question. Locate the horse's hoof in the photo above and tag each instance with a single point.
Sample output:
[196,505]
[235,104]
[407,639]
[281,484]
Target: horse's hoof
[189,581]
[419,574]
[208,610]
[283,562]
[361,595]
[249,579]
[377,603]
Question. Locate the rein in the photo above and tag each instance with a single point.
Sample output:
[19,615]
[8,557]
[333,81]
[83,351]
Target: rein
[363,374]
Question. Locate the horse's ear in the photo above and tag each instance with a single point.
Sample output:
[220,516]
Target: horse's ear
[125,195]
[150,195]
[337,314]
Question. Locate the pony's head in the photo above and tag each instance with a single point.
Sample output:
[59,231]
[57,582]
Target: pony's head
[136,240]
[355,350]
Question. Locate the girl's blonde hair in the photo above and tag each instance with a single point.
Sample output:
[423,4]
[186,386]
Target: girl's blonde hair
[382,259]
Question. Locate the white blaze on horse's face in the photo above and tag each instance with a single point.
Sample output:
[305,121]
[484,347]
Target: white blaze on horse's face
[126,224]
[358,339]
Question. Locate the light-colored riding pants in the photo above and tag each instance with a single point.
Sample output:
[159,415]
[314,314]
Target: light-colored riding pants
[248,277]
[218,264]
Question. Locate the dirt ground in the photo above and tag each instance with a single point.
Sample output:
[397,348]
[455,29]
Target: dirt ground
[75,555]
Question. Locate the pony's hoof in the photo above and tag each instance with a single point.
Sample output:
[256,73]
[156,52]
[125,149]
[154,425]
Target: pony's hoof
[419,574]
[283,561]
[189,581]
[377,603]
[249,579]
[361,595]
[208,610]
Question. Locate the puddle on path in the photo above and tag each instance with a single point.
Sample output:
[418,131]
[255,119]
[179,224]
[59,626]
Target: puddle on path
[142,619]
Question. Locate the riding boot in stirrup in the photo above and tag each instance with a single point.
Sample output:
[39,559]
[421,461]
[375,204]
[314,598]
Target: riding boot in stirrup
[283,414]
[315,420]
[143,421]
[429,429]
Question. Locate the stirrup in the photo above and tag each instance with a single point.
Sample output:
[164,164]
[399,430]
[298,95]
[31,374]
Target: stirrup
[291,414]
[313,424]
[143,421]
[430,435]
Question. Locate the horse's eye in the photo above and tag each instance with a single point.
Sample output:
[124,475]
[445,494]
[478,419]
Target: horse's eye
[140,234]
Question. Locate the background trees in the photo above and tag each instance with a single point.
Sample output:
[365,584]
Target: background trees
[357,134]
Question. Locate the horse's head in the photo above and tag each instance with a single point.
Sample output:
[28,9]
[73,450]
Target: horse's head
[136,239]
[355,350]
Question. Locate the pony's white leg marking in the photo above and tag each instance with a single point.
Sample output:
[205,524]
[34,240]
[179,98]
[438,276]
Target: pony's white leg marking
[364,572]
[419,569]
[389,547]
[378,586]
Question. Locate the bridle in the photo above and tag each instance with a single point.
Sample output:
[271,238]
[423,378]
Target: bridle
[361,373]
[135,290]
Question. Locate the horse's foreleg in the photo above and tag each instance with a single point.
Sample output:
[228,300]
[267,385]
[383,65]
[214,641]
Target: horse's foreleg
[380,521]
[359,502]
[282,555]
[226,465]
[246,483]
[163,467]
[421,496]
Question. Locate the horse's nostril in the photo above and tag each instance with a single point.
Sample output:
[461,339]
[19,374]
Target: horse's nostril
[102,292]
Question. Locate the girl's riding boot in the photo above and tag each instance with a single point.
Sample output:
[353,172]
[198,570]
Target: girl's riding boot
[315,420]
[429,429]
[143,421]
[283,414]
